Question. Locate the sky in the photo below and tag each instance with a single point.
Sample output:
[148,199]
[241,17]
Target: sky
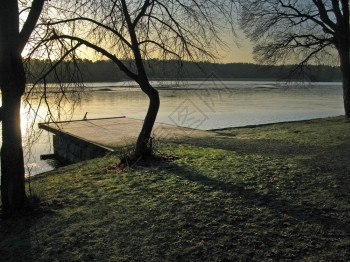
[239,48]
[237,51]
[237,54]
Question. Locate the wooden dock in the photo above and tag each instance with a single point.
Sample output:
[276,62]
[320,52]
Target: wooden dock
[79,140]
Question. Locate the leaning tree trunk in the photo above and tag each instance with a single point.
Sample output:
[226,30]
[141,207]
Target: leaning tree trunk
[143,144]
[12,164]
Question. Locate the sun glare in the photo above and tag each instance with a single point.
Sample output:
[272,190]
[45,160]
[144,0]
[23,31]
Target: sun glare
[30,118]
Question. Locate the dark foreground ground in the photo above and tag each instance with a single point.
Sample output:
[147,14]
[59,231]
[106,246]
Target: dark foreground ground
[271,193]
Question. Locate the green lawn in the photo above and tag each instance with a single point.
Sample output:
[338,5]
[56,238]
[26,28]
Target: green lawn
[271,193]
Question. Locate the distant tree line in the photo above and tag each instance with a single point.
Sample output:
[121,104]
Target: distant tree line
[107,71]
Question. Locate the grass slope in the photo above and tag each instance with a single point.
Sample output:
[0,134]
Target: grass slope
[270,193]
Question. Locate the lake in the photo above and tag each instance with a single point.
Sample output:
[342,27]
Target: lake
[207,104]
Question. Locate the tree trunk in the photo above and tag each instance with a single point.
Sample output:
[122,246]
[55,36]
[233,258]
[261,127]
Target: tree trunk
[345,69]
[12,83]
[346,93]
[12,164]
[144,144]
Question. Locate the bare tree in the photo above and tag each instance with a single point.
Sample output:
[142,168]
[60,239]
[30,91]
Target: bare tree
[20,40]
[302,32]
[129,30]
[14,35]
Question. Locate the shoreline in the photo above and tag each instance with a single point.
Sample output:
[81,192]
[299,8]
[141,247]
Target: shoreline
[277,123]
[194,139]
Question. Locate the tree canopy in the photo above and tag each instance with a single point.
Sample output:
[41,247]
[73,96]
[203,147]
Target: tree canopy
[129,32]
[302,32]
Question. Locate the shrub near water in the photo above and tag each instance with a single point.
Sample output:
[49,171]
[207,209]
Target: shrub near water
[277,192]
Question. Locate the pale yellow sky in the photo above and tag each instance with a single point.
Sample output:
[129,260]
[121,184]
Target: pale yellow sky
[231,54]
[239,49]
[235,54]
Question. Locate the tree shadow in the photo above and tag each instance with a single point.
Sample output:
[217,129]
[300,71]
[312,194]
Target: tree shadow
[334,162]
[16,231]
[303,213]
[15,239]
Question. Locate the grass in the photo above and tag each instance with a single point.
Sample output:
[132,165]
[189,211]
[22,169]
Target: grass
[278,192]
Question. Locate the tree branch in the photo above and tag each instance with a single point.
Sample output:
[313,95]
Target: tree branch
[57,63]
[323,14]
[94,22]
[142,12]
[134,42]
[325,24]
[100,50]
[161,46]
[30,23]
[337,12]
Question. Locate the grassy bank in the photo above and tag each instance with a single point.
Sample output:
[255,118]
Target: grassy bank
[271,193]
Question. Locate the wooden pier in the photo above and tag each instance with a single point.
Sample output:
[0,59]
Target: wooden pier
[80,140]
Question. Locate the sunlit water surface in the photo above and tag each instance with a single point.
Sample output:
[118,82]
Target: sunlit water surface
[209,104]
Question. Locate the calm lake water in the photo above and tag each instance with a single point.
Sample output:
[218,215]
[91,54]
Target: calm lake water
[207,104]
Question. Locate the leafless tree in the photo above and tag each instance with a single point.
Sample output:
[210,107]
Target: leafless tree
[130,30]
[301,32]
[20,40]
[14,36]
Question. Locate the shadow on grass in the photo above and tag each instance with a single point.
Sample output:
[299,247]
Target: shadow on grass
[273,201]
[16,244]
[334,165]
